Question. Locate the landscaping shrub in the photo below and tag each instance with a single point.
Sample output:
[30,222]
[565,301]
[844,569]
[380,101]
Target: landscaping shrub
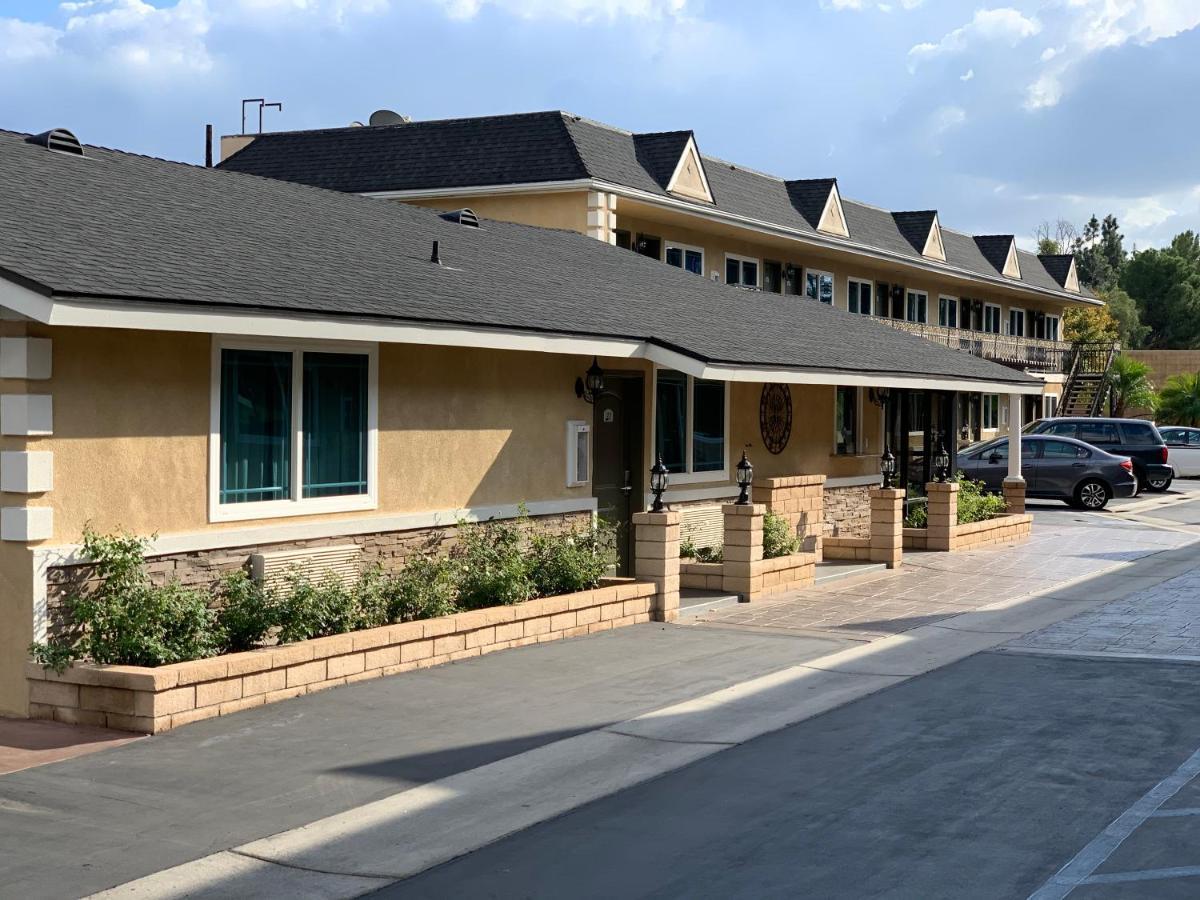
[247,612]
[778,538]
[917,517]
[424,589]
[575,561]
[687,550]
[712,554]
[492,567]
[975,504]
[310,609]
[127,620]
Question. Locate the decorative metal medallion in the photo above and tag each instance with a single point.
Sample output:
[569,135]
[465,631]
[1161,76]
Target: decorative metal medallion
[775,416]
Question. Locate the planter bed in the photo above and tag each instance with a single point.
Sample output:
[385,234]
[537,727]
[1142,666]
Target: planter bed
[704,576]
[1006,529]
[784,573]
[153,700]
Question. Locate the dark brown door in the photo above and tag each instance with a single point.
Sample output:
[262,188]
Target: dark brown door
[618,480]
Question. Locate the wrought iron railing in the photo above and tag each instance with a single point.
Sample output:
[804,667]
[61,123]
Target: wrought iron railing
[1037,354]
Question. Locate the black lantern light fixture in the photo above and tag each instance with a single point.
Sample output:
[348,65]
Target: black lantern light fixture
[941,463]
[589,386]
[887,467]
[745,477]
[659,478]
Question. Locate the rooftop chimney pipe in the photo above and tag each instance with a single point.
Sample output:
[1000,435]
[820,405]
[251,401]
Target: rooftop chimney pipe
[436,256]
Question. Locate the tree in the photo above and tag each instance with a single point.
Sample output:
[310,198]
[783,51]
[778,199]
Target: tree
[1166,286]
[1089,325]
[1055,239]
[1179,402]
[1131,387]
[1091,262]
[1130,330]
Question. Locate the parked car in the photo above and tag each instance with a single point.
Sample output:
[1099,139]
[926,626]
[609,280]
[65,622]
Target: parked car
[1135,438]
[1184,444]
[1054,468]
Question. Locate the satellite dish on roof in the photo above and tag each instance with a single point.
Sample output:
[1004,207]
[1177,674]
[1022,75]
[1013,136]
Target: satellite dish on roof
[387,117]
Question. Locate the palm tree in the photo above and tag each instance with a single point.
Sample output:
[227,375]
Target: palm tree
[1131,387]
[1179,403]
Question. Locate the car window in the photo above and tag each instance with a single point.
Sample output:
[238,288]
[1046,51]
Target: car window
[1193,438]
[999,450]
[1064,450]
[1173,435]
[1062,429]
[1139,433]
[1098,433]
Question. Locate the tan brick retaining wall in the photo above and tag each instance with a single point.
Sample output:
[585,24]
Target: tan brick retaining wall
[1007,529]
[702,576]
[153,700]
[848,511]
[858,548]
[800,499]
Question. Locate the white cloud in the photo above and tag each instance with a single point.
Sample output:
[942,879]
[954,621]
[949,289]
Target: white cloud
[574,10]
[967,75]
[25,41]
[140,36]
[1004,25]
[947,117]
[1145,213]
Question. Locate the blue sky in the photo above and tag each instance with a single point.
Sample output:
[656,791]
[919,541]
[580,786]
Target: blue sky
[998,114]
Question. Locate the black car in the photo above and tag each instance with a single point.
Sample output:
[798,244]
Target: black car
[1054,469]
[1135,438]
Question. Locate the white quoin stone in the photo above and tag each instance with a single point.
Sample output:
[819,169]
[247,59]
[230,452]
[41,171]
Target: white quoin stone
[26,471]
[26,415]
[25,357]
[26,523]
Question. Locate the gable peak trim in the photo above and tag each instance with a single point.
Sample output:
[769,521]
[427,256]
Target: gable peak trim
[690,167]
[833,216]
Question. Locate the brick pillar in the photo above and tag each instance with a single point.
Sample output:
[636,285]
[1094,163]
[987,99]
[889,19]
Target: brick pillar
[800,499]
[743,549]
[887,526]
[1014,494]
[656,558]
[943,514]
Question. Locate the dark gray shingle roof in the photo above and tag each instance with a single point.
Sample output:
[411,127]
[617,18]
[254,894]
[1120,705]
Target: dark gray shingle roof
[994,248]
[120,226]
[525,148]
[1058,265]
[915,226]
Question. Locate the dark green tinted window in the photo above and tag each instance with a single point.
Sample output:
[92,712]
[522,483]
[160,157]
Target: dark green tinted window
[335,424]
[256,425]
[670,426]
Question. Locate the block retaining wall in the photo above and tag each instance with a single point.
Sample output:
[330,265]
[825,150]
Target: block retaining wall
[1007,529]
[857,548]
[153,700]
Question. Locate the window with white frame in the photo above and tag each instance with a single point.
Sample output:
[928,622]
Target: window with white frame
[846,421]
[1052,328]
[293,429]
[948,312]
[917,307]
[691,421]
[991,318]
[1049,406]
[1016,322]
[579,453]
[682,256]
[818,285]
[858,294]
[991,411]
[741,271]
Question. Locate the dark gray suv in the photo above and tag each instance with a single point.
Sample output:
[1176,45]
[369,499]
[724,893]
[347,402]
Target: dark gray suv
[1135,438]
[1054,468]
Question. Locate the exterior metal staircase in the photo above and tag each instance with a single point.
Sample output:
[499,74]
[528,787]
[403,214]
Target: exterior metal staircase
[1088,388]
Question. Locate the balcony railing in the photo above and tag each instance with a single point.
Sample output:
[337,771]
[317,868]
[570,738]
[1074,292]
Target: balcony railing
[1018,352]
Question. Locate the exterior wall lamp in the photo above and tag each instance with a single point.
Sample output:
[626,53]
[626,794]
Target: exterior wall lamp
[745,477]
[591,384]
[941,463]
[887,467]
[659,479]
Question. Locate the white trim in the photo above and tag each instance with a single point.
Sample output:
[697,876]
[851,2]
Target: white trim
[743,259]
[854,279]
[575,427]
[833,206]
[934,247]
[25,357]
[999,318]
[832,285]
[1072,279]
[219,539]
[26,415]
[297,504]
[690,147]
[858,421]
[1024,321]
[676,245]
[26,471]
[916,292]
[1057,327]
[1012,263]
[26,523]
[854,481]
[688,476]
[957,311]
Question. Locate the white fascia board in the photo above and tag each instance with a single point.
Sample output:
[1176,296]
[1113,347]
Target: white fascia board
[28,303]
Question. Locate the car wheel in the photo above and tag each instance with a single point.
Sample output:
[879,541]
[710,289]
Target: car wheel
[1092,494]
[1158,485]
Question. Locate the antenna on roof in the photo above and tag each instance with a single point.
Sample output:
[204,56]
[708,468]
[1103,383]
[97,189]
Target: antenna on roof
[387,117]
[262,104]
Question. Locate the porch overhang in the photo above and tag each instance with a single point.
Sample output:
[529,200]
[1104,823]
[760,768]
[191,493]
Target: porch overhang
[100,312]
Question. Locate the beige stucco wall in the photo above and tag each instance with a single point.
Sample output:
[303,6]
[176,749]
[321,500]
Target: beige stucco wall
[562,209]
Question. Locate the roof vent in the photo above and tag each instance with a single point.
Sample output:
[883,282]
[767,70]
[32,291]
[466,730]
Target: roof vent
[464,217]
[58,139]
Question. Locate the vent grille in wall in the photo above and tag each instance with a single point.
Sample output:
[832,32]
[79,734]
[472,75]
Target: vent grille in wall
[272,569]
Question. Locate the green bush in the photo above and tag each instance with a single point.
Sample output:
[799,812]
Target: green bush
[424,589]
[917,517]
[492,565]
[975,504]
[687,550]
[575,561]
[127,620]
[246,614]
[778,538]
[309,609]
[712,554]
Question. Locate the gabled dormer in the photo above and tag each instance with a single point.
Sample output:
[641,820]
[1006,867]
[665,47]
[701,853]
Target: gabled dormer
[672,160]
[921,229]
[1001,251]
[1061,267]
[820,203]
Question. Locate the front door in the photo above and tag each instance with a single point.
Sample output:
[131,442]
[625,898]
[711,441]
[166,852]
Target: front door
[618,477]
